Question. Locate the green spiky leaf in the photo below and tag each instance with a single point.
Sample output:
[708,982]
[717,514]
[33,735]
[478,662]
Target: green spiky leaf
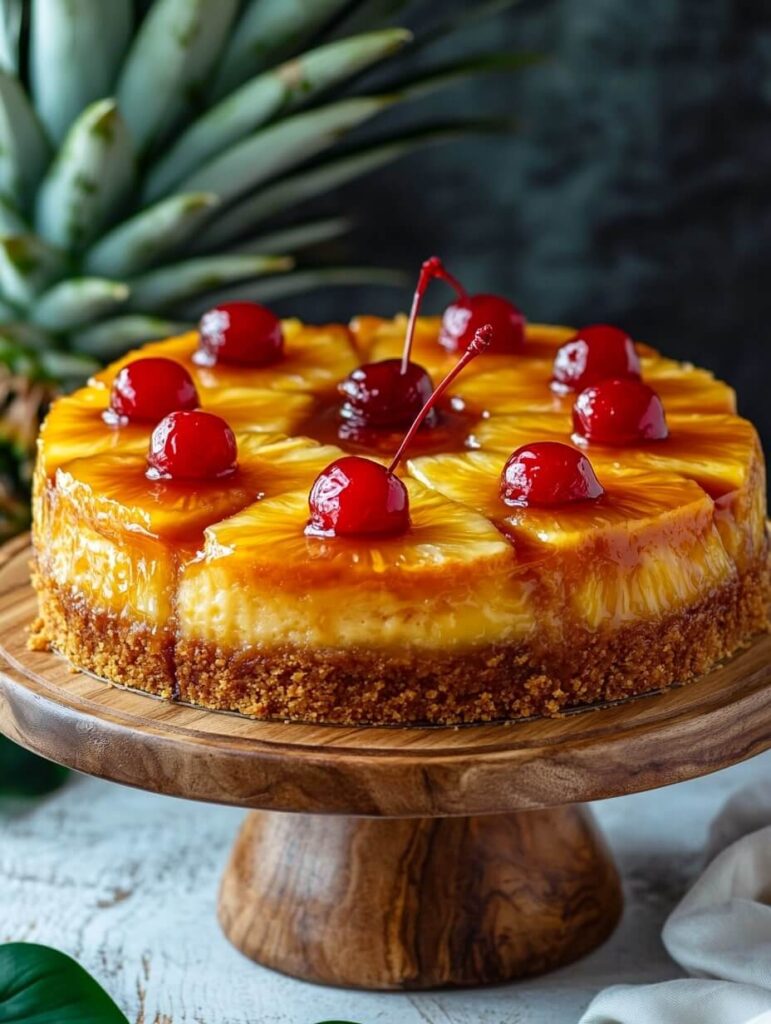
[27,266]
[90,180]
[262,98]
[159,289]
[169,63]
[271,289]
[282,146]
[24,151]
[300,236]
[79,301]
[268,31]
[74,53]
[110,338]
[299,188]
[11,15]
[453,72]
[143,239]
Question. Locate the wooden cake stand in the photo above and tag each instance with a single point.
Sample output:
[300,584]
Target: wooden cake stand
[421,857]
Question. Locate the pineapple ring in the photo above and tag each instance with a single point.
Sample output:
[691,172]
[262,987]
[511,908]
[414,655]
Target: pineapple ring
[651,541]
[75,426]
[494,386]
[315,359]
[260,574]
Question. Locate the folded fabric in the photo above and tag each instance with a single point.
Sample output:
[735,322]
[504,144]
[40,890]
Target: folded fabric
[719,933]
[684,1001]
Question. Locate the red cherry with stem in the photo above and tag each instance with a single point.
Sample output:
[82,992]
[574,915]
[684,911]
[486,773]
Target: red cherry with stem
[385,395]
[148,389]
[597,352]
[431,269]
[548,473]
[243,333]
[462,318]
[390,393]
[192,446]
[619,412]
[355,496]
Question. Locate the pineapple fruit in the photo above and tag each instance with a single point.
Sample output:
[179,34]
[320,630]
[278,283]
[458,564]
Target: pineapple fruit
[494,385]
[649,546]
[315,359]
[721,453]
[147,147]
[261,576]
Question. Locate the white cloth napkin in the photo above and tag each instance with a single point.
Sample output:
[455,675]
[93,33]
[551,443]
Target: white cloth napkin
[719,933]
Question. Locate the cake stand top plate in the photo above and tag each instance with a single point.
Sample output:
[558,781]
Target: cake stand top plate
[127,737]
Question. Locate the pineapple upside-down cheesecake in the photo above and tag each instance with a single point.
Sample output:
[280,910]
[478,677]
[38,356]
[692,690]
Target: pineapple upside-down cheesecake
[302,523]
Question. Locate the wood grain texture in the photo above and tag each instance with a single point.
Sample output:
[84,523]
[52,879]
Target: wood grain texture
[131,738]
[419,903]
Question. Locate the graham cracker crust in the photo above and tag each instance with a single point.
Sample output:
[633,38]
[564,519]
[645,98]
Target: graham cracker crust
[367,686]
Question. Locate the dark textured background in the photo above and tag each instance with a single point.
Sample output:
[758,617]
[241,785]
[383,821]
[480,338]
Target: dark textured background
[638,189]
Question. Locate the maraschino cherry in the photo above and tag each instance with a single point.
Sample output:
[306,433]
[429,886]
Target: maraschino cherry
[468,313]
[384,396]
[597,352]
[389,394]
[619,412]
[243,333]
[462,318]
[548,473]
[192,446]
[355,496]
[148,389]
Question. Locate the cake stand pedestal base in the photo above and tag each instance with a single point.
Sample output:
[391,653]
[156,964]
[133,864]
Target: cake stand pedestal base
[415,903]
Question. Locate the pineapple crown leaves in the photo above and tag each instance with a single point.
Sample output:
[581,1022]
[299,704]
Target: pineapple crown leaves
[147,148]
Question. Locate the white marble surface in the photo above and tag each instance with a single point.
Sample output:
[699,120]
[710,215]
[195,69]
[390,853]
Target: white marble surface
[126,883]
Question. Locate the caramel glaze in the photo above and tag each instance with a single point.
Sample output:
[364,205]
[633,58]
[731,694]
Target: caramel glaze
[451,432]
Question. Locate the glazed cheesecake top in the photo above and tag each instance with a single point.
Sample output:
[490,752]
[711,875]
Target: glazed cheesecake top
[432,481]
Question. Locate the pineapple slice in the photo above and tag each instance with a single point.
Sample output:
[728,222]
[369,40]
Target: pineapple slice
[75,426]
[112,492]
[315,359]
[124,536]
[451,581]
[527,386]
[715,450]
[647,548]
[377,339]
[506,384]
[722,453]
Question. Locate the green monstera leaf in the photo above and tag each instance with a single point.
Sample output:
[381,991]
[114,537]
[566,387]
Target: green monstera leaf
[24,775]
[39,985]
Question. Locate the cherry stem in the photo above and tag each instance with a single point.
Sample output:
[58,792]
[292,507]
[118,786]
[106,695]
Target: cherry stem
[431,269]
[482,339]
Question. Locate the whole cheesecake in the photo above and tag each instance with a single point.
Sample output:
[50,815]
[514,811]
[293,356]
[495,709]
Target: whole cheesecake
[577,519]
